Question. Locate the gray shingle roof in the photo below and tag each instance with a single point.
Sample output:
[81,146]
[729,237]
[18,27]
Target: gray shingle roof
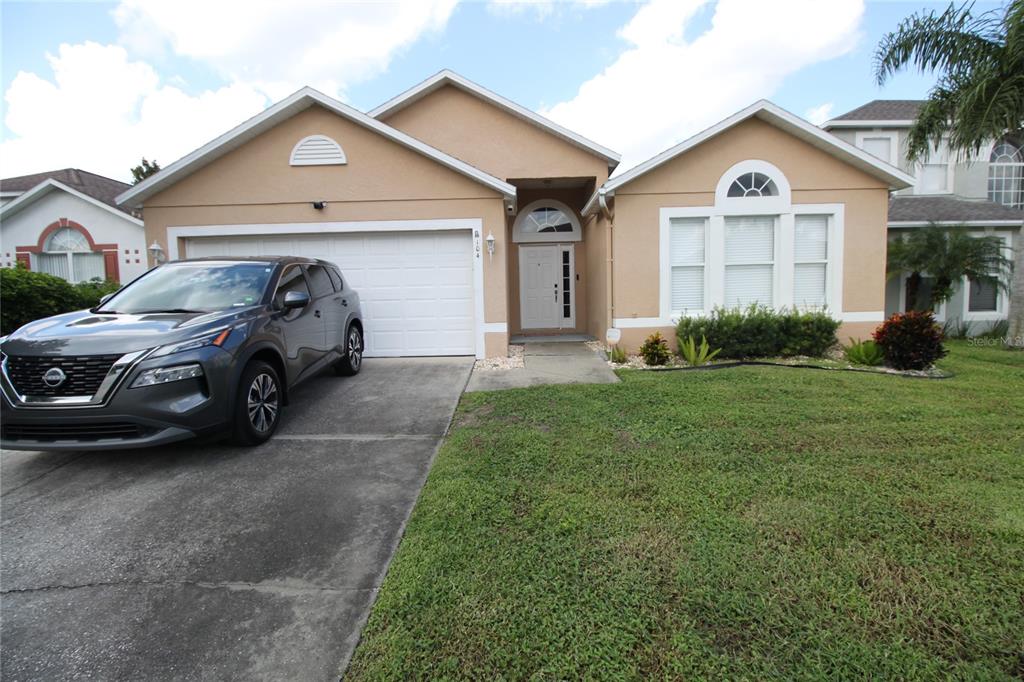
[948,209]
[883,110]
[96,186]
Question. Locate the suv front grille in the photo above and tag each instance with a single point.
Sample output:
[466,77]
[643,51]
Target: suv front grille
[84,374]
[47,431]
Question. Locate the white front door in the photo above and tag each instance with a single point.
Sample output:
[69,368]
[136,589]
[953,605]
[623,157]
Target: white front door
[547,291]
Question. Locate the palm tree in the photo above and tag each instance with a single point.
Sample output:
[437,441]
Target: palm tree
[979,96]
[946,256]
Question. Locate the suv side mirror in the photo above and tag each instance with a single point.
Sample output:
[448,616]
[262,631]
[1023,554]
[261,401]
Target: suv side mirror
[295,299]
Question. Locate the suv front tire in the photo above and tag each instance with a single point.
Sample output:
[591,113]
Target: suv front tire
[258,404]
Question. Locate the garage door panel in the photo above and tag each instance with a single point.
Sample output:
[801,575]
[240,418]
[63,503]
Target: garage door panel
[416,288]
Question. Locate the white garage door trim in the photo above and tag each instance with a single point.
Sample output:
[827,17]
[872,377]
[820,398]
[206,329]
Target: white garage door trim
[256,229]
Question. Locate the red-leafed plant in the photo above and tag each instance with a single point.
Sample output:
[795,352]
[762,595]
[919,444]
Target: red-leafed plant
[911,340]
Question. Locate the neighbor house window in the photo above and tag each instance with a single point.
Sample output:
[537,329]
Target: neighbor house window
[749,260]
[687,246]
[880,144]
[933,172]
[810,261]
[982,297]
[68,255]
[1006,174]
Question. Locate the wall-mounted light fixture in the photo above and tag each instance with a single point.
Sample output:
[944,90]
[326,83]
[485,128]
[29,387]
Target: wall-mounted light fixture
[490,245]
[157,252]
[319,205]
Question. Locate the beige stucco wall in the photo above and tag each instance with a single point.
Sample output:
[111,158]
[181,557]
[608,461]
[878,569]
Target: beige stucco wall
[690,180]
[595,242]
[492,139]
[381,181]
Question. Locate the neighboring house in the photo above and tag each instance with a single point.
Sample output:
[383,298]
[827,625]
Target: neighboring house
[67,223]
[463,218]
[985,193]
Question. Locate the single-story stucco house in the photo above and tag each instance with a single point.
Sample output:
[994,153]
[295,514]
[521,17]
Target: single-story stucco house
[67,223]
[465,219]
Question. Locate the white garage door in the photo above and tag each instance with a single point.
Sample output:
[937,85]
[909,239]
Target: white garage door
[416,288]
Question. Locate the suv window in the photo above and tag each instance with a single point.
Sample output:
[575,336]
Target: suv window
[335,279]
[291,280]
[319,280]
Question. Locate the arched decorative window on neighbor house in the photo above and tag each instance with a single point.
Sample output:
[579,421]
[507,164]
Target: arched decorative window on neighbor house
[1006,173]
[547,220]
[68,254]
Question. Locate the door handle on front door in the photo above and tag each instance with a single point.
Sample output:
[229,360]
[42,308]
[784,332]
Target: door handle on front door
[556,293]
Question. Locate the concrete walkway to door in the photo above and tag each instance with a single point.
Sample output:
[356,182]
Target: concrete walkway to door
[547,362]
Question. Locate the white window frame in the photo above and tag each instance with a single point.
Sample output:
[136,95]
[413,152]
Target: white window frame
[714,246]
[918,167]
[665,249]
[830,222]
[776,230]
[1002,300]
[891,135]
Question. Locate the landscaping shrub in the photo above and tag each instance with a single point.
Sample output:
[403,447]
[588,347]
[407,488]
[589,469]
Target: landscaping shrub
[26,296]
[617,355]
[695,355]
[864,353]
[655,350]
[758,331]
[911,340]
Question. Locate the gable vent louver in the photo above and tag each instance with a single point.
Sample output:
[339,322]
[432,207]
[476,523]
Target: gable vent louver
[317,150]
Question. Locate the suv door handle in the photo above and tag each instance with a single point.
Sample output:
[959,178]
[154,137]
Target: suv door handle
[316,313]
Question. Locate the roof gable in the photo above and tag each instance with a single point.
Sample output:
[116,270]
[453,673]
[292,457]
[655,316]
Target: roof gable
[780,118]
[286,108]
[895,113]
[91,184]
[452,79]
[46,187]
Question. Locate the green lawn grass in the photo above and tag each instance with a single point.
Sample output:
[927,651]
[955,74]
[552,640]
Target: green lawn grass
[753,522]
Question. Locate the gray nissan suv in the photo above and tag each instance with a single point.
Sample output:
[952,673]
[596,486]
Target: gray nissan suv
[194,348]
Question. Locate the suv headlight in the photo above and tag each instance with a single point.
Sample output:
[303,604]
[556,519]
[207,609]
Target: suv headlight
[165,375]
[216,338]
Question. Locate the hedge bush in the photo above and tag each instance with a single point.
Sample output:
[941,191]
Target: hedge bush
[26,296]
[758,331]
[911,340]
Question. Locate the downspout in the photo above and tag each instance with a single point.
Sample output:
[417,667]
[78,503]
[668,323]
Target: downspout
[606,211]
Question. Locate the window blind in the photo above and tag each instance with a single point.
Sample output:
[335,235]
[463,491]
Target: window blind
[983,297]
[750,260]
[88,266]
[55,264]
[810,255]
[687,253]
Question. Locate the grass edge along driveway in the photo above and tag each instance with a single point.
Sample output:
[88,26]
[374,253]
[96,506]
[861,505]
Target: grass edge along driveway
[751,522]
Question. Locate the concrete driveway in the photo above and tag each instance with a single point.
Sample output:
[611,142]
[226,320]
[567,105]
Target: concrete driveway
[214,562]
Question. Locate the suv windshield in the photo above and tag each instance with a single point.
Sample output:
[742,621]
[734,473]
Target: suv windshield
[193,287]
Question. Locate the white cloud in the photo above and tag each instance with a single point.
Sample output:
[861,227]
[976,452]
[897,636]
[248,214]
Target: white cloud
[102,112]
[662,88]
[819,114]
[277,46]
[542,9]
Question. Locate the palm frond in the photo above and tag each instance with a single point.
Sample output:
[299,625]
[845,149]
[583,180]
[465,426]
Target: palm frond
[952,41]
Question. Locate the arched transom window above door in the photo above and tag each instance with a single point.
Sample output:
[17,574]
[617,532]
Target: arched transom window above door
[546,220]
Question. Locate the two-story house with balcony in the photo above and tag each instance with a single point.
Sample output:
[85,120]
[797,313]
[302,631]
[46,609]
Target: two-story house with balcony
[985,192]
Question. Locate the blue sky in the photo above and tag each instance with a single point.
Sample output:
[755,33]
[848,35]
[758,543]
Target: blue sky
[147,78]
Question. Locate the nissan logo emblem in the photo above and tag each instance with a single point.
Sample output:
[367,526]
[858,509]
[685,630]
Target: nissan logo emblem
[54,377]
